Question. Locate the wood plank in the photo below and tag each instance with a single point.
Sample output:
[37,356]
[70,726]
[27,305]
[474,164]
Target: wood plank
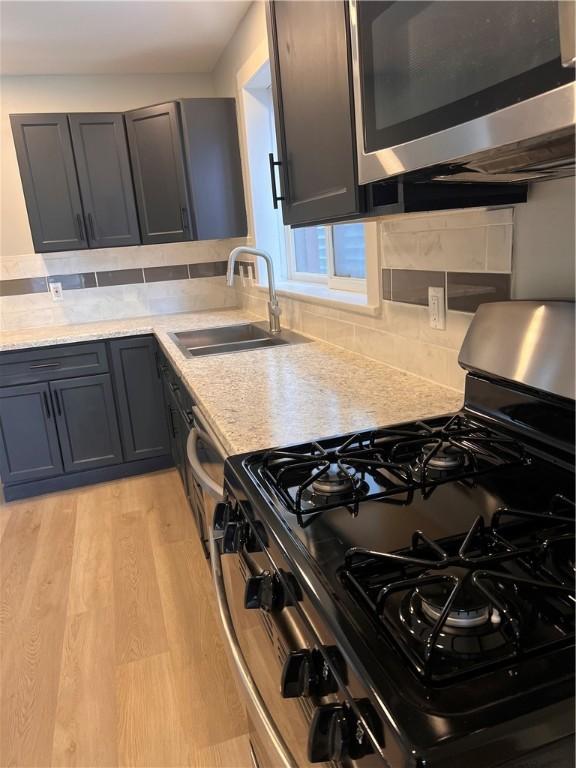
[17,551]
[138,611]
[91,584]
[203,676]
[169,515]
[85,728]
[234,753]
[32,654]
[150,731]
[5,514]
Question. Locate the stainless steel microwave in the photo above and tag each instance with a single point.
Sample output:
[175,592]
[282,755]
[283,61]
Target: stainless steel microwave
[469,89]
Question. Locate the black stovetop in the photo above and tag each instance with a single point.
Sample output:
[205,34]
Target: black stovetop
[448,545]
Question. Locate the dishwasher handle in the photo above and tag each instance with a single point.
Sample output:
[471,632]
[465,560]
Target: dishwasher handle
[207,483]
[248,682]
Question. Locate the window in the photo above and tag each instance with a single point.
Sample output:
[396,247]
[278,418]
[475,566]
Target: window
[334,256]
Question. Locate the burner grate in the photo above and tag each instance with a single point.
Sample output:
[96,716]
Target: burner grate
[491,595]
[386,463]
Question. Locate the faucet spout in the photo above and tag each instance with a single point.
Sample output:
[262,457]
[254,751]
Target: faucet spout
[273,305]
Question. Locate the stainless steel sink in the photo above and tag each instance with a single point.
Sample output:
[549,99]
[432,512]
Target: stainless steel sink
[232,338]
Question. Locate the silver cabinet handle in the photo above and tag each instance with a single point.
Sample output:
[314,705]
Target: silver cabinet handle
[566,22]
[274,736]
[44,365]
[199,472]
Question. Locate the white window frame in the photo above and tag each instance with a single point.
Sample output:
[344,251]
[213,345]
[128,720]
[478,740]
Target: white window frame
[331,279]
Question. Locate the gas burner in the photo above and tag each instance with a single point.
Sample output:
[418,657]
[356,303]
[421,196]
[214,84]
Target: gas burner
[470,609]
[469,602]
[334,481]
[443,456]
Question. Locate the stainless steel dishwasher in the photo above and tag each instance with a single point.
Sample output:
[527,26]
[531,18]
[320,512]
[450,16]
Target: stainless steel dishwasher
[205,473]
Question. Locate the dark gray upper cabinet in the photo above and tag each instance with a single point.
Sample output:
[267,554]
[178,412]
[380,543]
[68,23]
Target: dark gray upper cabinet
[46,162]
[212,156]
[29,442]
[101,152]
[310,64]
[159,172]
[87,423]
[139,390]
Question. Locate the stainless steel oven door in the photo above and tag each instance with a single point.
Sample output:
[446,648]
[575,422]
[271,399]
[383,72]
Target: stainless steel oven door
[435,82]
[259,643]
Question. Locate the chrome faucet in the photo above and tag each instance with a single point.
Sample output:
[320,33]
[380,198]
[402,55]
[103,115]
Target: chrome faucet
[273,306]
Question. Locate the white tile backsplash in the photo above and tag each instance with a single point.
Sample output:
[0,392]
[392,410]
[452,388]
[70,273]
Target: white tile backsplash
[92,304]
[400,335]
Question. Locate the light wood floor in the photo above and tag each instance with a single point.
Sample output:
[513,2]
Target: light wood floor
[111,654]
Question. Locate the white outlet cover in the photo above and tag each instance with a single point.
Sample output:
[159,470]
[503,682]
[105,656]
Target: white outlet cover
[436,308]
[56,291]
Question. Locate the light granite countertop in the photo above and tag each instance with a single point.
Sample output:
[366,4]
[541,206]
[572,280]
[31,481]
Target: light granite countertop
[276,396]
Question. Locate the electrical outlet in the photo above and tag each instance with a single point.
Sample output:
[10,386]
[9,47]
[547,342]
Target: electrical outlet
[56,291]
[436,308]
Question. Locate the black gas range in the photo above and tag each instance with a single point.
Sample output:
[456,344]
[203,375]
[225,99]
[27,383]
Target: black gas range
[415,583]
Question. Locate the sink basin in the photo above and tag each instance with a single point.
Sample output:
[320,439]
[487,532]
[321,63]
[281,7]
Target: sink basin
[232,338]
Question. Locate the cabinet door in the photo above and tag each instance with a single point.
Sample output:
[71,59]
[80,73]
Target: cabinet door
[212,154]
[157,157]
[87,423]
[101,152]
[140,399]
[46,162]
[29,442]
[313,110]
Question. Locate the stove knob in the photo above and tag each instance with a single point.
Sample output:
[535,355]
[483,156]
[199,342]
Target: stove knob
[231,539]
[221,514]
[255,534]
[297,675]
[264,591]
[336,732]
[329,734]
[306,673]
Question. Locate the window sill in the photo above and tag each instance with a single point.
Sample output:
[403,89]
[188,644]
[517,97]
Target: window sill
[318,293]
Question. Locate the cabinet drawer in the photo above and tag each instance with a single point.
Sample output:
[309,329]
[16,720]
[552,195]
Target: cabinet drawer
[49,363]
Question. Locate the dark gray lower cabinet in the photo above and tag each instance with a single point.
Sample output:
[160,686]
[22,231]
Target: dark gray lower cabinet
[29,449]
[87,423]
[81,422]
[139,390]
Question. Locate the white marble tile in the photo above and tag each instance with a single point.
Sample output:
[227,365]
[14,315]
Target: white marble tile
[456,250]
[421,222]
[341,334]
[499,248]
[399,250]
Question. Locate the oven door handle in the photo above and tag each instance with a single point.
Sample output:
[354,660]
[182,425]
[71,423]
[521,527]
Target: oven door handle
[248,683]
[200,473]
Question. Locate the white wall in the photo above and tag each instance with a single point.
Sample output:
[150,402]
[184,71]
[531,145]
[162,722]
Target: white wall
[95,93]
[544,242]
[251,34]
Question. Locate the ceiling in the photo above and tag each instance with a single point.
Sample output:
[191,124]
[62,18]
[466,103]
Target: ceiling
[80,37]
